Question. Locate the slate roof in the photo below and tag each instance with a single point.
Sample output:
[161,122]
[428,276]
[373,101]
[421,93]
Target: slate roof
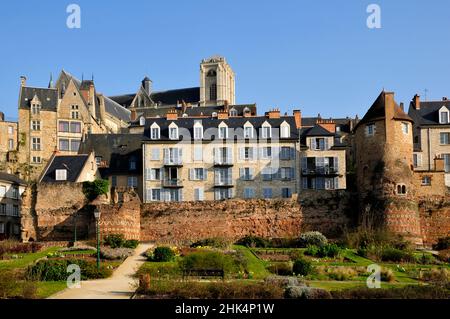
[72,163]
[377,111]
[316,130]
[117,110]
[116,150]
[428,113]
[207,123]
[11,178]
[170,97]
[47,97]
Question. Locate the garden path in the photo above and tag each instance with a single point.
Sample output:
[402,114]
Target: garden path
[121,285]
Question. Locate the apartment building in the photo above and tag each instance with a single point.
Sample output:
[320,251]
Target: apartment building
[8,142]
[223,157]
[11,189]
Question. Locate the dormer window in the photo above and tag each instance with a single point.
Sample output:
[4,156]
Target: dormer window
[233,112]
[248,130]
[266,130]
[36,108]
[61,175]
[198,130]
[173,131]
[214,114]
[223,131]
[142,121]
[155,132]
[285,130]
[443,115]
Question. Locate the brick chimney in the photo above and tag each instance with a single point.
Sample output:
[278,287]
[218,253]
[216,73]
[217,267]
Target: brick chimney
[172,115]
[133,115]
[222,115]
[2,117]
[23,81]
[416,101]
[273,114]
[329,125]
[439,164]
[298,118]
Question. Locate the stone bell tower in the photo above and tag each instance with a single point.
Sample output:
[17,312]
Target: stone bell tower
[216,82]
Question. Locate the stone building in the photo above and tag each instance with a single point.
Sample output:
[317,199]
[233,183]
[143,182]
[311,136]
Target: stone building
[58,117]
[216,158]
[431,134]
[11,189]
[8,143]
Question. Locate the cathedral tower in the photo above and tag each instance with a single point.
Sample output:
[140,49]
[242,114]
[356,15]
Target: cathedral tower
[216,82]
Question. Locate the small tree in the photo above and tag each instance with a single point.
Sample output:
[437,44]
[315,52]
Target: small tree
[96,188]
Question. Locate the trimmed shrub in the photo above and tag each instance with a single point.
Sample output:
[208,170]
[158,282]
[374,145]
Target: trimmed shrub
[442,244]
[281,269]
[114,240]
[132,243]
[115,253]
[93,189]
[162,254]
[313,238]
[253,242]
[302,267]
[396,255]
[209,260]
[215,242]
[328,250]
[312,250]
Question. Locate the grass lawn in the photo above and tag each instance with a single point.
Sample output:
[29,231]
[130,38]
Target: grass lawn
[47,288]
[254,264]
[25,260]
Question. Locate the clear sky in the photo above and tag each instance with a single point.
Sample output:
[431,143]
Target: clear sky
[318,56]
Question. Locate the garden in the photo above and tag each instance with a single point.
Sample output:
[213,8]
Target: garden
[29,270]
[308,267]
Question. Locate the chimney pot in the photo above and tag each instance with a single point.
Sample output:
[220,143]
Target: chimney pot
[23,80]
[417,102]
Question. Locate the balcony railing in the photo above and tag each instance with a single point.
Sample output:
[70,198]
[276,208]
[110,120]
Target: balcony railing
[320,171]
[176,183]
[223,162]
[171,161]
[223,182]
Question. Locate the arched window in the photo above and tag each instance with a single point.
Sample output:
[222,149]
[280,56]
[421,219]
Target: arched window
[213,92]
[401,189]
[211,73]
[233,112]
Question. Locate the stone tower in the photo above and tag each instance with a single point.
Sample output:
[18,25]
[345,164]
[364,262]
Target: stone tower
[384,168]
[216,82]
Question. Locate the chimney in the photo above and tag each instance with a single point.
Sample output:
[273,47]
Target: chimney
[222,115]
[298,118]
[444,98]
[329,125]
[23,81]
[402,106]
[147,85]
[439,164]
[273,114]
[416,101]
[2,117]
[133,115]
[172,115]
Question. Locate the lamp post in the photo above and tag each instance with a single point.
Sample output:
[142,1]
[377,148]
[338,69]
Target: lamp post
[75,230]
[97,218]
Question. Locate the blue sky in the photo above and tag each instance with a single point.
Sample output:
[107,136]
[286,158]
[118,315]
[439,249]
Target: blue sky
[317,56]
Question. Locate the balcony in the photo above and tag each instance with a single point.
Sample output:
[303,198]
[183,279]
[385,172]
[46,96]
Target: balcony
[320,171]
[170,161]
[172,183]
[223,162]
[223,182]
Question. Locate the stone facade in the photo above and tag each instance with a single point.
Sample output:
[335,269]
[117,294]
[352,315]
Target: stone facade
[217,82]
[11,190]
[8,143]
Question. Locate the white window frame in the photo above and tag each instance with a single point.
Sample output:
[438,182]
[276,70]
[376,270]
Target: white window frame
[132,181]
[198,131]
[443,111]
[155,132]
[61,175]
[266,130]
[285,130]
[405,128]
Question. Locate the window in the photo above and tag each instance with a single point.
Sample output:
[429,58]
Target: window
[2,191]
[155,154]
[10,130]
[2,209]
[248,132]
[75,115]
[267,173]
[61,175]
[155,133]
[2,228]
[63,126]
[446,158]
[142,121]
[401,189]
[246,173]
[426,180]
[173,133]
[199,194]
[198,132]
[98,160]
[10,144]
[36,143]
[233,112]
[74,145]
[286,173]
[370,129]
[267,193]
[75,127]
[35,109]
[153,174]
[444,138]
[287,153]
[155,194]
[173,156]
[36,160]
[15,192]
[222,194]
[64,145]
[198,174]
[247,153]
[405,128]
[198,153]
[132,181]
[319,144]
[15,211]
[286,192]
[35,125]
[113,181]
[266,132]
[249,193]
[223,132]
[285,131]
[132,164]
[266,152]
[417,160]
[213,92]
[16,229]
[443,117]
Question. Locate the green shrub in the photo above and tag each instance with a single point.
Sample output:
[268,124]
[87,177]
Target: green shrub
[114,240]
[209,260]
[342,273]
[329,250]
[132,243]
[281,268]
[93,189]
[253,242]
[313,238]
[215,242]
[408,292]
[162,254]
[302,267]
[396,255]
[312,250]
[442,244]
[56,270]
[362,251]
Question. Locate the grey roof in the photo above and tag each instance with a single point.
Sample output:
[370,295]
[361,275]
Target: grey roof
[232,122]
[117,110]
[170,97]
[428,114]
[316,130]
[11,178]
[116,150]
[72,163]
[47,97]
